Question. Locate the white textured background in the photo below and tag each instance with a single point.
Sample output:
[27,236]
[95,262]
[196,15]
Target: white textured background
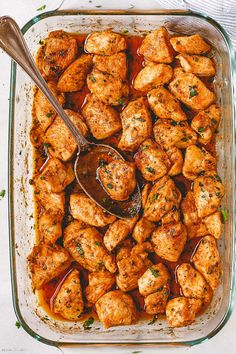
[12,339]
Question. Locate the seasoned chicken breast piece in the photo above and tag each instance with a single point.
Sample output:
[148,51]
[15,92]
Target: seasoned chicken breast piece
[168,134]
[206,122]
[172,217]
[47,262]
[116,309]
[86,210]
[49,226]
[197,64]
[152,161]
[60,51]
[124,249]
[155,277]
[176,158]
[143,230]
[165,105]
[163,197]
[115,64]
[43,110]
[208,191]
[102,119]
[105,43]
[69,301]
[153,75]
[118,231]
[194,44]
[193,284]
[207,261]
[61,141]
[181,311]
[190,90]
[99,284]
[109,89]
[197,161]
[213,224]
[51,202]
[74,77]
[169,241]
[156,46]
[136,123]
[85,245]
[55,176]
[156,303]
[118,179]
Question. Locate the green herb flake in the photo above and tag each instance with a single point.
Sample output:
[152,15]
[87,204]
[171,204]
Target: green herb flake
[154,272]
[153,320]
[214,121]
[150,169]
[80,249]
[217,177]
[46,145]
[155,196]
[201,129]
[87,324]
[174,123]
[17,324]
[41,8]
[92,78]
[49,115]
[225,215]
[124,31]
[109,185]
[140,119]
[102,163]
[41,42]
[97,243]
[192,91]
[121,101]
[218,194]
[2,193]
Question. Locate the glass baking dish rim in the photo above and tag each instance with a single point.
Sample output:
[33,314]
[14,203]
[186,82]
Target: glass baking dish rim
[16,306]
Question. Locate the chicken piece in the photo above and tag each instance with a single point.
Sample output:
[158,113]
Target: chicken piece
[172,217]
[156,303]
[55,176]
[178,71]
[43,110]
[99,284]
[197,161]
[208,191]
[207,261]
[143,230]
[50,228]
[165,105]
[85,245]
[170,134]
[163,197]
[193,284]
[169,241]
[115,64]
[206,122]
[47,262]
[144,194]
[105,43]
[190,90]
[118,179]
[181,311]
[116,309]
[86,210]
[155,277]
[52,202]
[69,300]
[118,231]
[62,144]
[152,161]
[213,224]
[156,46]
[124,250]
[60,51]
[197,64]
[74,77]
[176,158]
[107,88]
[153,75]
[136,123]
[194,44]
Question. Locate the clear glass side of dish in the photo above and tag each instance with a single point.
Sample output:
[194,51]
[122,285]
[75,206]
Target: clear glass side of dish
[30,314]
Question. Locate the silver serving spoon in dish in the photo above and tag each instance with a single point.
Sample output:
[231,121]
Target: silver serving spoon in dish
[89,154]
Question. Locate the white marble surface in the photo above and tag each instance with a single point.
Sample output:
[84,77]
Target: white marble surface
[12,339]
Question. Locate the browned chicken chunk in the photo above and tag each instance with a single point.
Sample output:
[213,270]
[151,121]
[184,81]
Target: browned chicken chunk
[197,64]
[153,75]
[194,44]
[86,210]
[165,105]
[136,123]
[49,224]
[172,217]
[213,224]
[155,277]
[143,230]
[156,46]
[207,261]
[115,64]
[69,300]
[181,311]
[105,43]
[152,161]
[190,90]
[118,179]
[85,245]
[99,284]
[116,309]
[124,250]
[156,303]
[74,77]
[176,158]
[51,202]
[47,262]
[61,141]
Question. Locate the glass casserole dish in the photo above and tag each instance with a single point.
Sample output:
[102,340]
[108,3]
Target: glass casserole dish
[32,317]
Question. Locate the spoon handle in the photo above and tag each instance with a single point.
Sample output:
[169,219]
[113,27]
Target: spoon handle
[13,43]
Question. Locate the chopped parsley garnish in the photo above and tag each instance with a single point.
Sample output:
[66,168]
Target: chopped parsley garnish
[174,123]
[218,194]
[192,91]
[97,243]
[132,211]
[41,8]
[102,163]
[150,169]
[121,101]
[201,129]
[17,324]
[154,272]
[87,324]
[49,115]
[80,249]
[46,145]
[214,121]
[225,215]
[109,185]
[2,193]
[92,78]
[140,119]
[217,177]
[200,184]
[153,320]
[155,196]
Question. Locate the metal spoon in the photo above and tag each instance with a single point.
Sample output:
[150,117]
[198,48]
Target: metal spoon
[89,154]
